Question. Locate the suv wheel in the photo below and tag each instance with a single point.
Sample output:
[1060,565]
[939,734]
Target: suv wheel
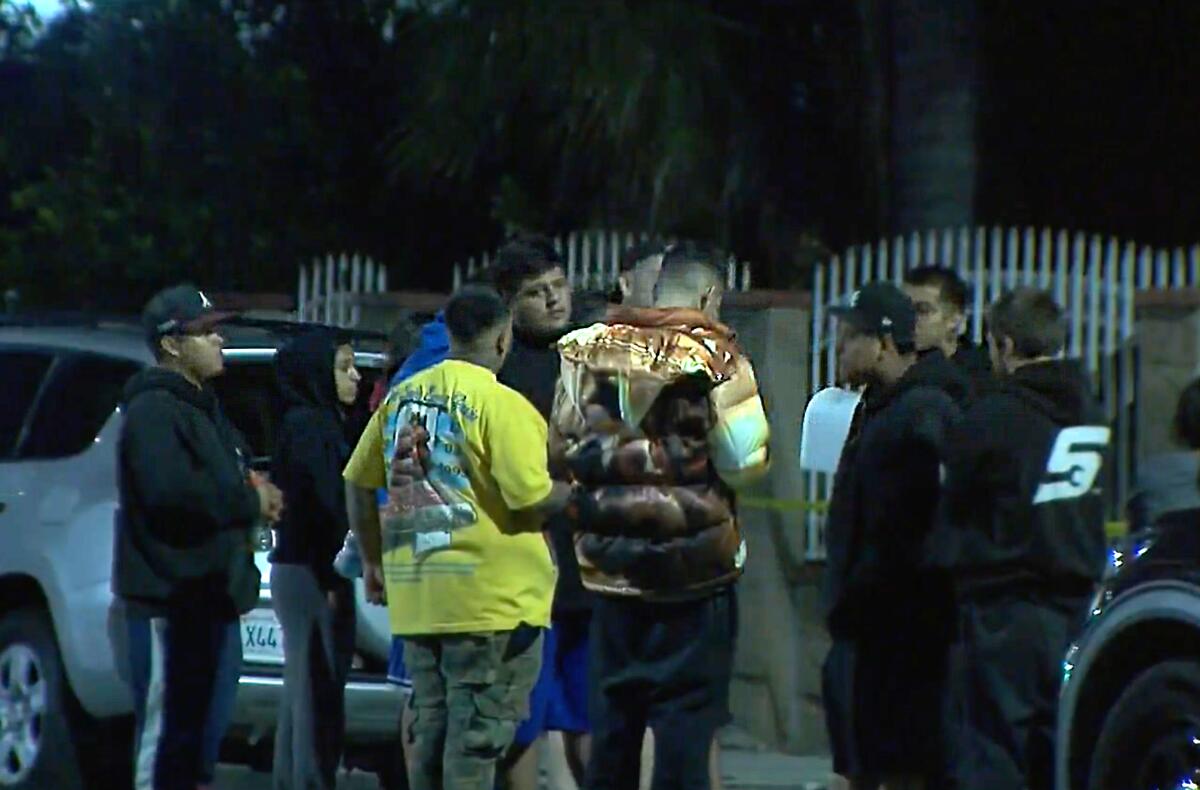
[36,750]
[1151,736]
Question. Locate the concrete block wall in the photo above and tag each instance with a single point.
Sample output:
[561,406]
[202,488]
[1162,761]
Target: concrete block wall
[1168,338]
[775,695]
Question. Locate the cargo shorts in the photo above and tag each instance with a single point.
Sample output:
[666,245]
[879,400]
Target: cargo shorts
[469,692]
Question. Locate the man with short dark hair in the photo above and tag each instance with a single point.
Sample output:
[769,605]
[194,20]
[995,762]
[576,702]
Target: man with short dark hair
[659,417]
[183,564]
[529,274]
[1023,535]
[940,298]
[889,616]
[469,578]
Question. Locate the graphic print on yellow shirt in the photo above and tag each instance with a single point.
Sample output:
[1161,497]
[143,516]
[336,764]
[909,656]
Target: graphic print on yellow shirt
[458,452]
[428,475]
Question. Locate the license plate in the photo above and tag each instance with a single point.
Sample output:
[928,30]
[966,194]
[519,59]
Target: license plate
[262,637]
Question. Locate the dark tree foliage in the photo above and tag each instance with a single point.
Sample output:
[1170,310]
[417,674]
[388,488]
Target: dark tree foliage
[227,141]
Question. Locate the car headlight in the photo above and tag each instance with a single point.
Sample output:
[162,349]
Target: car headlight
[1128,549]
[1116,560]
[1125,551]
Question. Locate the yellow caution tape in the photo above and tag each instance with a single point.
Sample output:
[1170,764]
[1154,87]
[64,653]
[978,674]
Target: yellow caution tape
[771,503]
[1112,529]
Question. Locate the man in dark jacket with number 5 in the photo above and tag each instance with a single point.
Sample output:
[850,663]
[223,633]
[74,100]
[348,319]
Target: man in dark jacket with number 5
[1023,535]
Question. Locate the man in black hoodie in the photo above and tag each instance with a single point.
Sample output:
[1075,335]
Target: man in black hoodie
[183,563]
[888,614]
[528,273]
[315,604]
[1023,533]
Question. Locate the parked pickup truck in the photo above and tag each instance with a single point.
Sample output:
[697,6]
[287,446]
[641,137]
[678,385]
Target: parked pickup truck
[64,705]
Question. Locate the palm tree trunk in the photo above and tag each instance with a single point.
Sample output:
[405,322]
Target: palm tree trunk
[933,111]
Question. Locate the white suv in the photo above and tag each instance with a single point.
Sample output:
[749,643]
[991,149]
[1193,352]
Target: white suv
[64,707]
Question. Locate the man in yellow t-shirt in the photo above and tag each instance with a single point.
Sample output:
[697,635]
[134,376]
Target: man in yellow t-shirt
[458,546]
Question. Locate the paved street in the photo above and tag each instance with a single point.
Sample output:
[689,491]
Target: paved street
[741,769]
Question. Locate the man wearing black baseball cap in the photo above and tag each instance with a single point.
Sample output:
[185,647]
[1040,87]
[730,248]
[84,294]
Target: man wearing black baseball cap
[180,324]
[888,614]
[183,564]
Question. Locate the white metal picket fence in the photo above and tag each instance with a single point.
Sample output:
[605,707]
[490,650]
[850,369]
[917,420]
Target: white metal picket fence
[593,260]
[328,289]
[1094,278]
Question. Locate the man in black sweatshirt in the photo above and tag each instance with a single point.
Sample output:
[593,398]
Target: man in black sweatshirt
[888,613]
[528,273]
[940,298]
[183,563]
[1023,534]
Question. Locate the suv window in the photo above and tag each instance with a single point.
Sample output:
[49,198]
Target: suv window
[22,373]
[250,396]
[82,394]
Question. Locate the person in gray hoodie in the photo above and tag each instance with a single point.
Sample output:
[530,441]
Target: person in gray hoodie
[1170,482]
[314,603]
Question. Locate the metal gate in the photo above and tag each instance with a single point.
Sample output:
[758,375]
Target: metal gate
[1093,278]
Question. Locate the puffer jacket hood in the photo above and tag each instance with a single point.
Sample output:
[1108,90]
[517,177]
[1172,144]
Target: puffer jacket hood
[659,418]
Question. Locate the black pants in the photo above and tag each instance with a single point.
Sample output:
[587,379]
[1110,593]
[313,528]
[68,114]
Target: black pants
[1006,686]
[173,662]
[665,665]
[884,697]
[318,643]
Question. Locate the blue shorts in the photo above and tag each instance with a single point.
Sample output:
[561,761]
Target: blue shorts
[559,698]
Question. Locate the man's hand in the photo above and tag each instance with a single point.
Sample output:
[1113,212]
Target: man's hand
[270,498]
[533,519]
[373,580]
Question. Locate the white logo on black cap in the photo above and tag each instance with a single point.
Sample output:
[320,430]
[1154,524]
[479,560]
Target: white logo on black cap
[204,302]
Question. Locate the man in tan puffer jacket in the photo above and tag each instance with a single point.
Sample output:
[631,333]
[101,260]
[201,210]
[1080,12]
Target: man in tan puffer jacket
[659,420]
